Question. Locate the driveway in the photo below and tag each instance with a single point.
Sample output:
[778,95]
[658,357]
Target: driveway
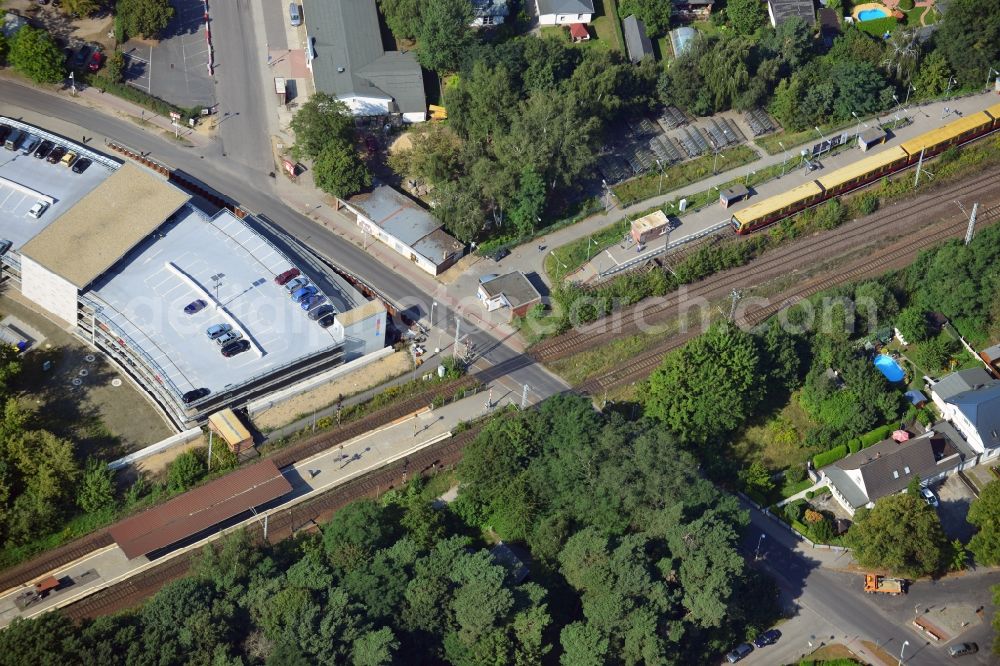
[955,498]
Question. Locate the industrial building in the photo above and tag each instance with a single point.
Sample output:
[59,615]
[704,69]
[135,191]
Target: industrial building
[120,254]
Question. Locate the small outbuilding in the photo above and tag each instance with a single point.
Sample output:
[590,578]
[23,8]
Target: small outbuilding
[681,39]
[637,42]
[731,195]
[228,426]
[578,32]
[871,137]
[651,226]
[513,291]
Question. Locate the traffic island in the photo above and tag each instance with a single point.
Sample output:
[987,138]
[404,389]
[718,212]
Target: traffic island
[943,623]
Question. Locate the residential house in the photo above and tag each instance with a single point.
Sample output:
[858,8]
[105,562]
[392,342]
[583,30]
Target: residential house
[780,11]
[693,10]
[888,467]
[393,218]
[512,291]
[991,356]
[637,42]
[489,12]
[970,399]
[349,62]
[564,12]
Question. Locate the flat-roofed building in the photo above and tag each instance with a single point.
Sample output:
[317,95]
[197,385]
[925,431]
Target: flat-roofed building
[651,226]
[512,291]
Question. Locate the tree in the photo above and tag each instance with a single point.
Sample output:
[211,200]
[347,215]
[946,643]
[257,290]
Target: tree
[653,13]
[356,532]
[4,47]
[933,355]
[402,17]
[97,490]
[444,35]
[529,201]
[719,367]
[144,18]
[317,122]
[912,323]
[80,7]
[35,54]
[969,38]
[338,170]
[902,53]
[932,76]
[746,16]
[756,479]
[984,513]
[186,470]
[902,534]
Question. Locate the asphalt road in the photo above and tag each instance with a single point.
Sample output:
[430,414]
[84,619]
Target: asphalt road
[254,191]
[836,609]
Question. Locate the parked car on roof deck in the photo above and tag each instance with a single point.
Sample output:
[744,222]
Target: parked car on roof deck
[234,348]
[195,306]
[56,155]
[228,337]
[323,310]
[283,278]
[296,283]
[44,149]
[216,330]
[312,301]
[194,395]
[302,294]
[81,165]
[327,320]
[39,208]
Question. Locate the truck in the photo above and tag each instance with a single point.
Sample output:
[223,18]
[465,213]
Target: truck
[877,583]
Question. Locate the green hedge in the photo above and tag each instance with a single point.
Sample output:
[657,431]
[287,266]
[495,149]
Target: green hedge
[828,457]
[876,435]
[854,445]
[878,27]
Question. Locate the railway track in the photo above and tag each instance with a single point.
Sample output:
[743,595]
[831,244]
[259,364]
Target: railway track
[803,253]
[18,575]
[281,524]
[891,257]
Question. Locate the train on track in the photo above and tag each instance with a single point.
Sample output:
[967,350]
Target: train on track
[866,170]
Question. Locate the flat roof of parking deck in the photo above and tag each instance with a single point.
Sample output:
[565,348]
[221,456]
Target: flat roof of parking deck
[224,262]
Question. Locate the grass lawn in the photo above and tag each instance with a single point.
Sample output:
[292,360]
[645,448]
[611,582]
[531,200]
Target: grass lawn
[605,30]
[571,256]
[777,440]
[795,139]
[679,175]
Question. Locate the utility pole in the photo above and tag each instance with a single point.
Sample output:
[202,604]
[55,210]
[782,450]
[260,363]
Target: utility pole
[920,165]
[458,323]
[971,230]
[659,189]
[210,433]
[785,161]
[736,296]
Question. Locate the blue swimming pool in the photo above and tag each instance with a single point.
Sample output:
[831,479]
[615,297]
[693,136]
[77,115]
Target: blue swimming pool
[888,367]
[872,14]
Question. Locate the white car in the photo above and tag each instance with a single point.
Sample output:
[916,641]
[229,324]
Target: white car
[39,208]
[929,496]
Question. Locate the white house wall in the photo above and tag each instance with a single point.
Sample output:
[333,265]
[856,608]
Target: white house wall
[564,19]
[367,106]
[45,288]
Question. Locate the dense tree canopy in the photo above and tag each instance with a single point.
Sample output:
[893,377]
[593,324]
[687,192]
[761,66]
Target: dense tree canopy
[444,33]
[654,14]
[338,170]
[746,16]
[984,513]
[144,18]
[324,132]
[969,38]
[35,54]
[902,534]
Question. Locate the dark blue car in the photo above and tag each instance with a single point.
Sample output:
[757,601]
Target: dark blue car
[194,306]
[313,301]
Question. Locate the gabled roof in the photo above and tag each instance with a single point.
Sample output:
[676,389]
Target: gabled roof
[888,466]
[960,382]
[350,60]
[565,7]
[636,41]
[982,408]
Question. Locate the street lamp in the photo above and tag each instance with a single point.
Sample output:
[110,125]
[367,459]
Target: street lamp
[434,304]
[659,189]
[756,555]
[951,81]
[901,648]
[857,130]
[785,161]
[749,172]
[715,163]
[909,88]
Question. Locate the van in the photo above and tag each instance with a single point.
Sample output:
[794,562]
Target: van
[294,14]
[29,144]
[13,140]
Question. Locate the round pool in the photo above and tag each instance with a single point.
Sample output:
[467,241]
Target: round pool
[872,14]
[888,367]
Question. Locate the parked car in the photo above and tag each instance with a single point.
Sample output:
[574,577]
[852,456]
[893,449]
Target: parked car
[228,337]
[4,246]
[962,649]
[297,283]
[56,155]
[44,149]
[81,56]
[13,141]
[96,61]
[68,159]
[321,311]
[234,348]
[216,330]
[196,394]
[29,144]
[326,320]
[39,208]
[769,637]
[500,254]
[81,165]
[312,301]
[929,496]
[302,294]
[739,652]
[195,306]
[4,131]
[283,278]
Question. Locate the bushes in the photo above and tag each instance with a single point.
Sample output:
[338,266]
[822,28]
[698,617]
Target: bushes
[876,435]
[854,445]
[829,457]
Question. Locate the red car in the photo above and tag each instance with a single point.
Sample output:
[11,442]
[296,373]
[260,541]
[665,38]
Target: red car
[96,61]
[286,276]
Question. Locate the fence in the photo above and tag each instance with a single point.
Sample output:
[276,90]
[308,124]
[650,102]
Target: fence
[795,533]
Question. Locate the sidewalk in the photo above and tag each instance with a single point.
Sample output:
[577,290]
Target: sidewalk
[528,259]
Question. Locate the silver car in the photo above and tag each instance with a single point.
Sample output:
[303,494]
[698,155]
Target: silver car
[216,330]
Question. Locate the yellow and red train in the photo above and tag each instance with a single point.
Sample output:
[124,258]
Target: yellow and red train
[866,170]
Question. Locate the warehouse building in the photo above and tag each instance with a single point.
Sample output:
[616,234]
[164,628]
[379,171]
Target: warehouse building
[125,260]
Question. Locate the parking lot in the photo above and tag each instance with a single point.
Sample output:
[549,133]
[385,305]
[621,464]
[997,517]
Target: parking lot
[954,498]
[175,68]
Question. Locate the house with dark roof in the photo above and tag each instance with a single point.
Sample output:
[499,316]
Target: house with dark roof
[692,9]
[637,43]
[349,62]
[888,467]
[780,11]
[513,291]
[970,399]
[564,12]
[401,223]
